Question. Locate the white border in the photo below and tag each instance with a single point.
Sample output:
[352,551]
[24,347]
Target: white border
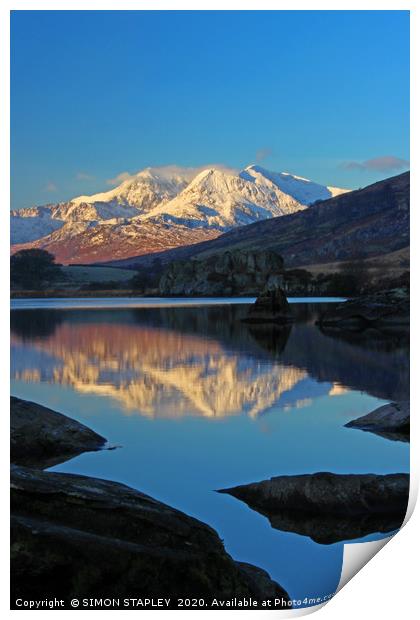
[388,585]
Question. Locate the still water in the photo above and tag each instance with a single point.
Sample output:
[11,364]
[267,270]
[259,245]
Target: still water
[198,401]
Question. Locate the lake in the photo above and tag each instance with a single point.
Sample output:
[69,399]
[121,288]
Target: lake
[199,401]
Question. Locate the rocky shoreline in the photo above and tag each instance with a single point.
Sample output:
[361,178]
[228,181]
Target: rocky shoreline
[383,310]
[329,507]
[86,537]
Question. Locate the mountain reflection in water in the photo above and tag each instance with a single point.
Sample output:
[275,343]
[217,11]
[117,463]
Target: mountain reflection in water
[172,362]
[200,401]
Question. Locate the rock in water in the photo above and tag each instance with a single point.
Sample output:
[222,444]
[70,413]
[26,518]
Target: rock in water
[41,437]
[83,537]
[271,306]
[329,507]
[391,421]
[384,309]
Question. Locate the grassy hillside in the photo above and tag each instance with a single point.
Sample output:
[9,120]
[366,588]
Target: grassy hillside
[80,275]
[394,263]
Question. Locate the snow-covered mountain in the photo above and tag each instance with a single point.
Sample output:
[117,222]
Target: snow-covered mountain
[134,196]
[144,190]
[223,201]
[304,191]
[161,208]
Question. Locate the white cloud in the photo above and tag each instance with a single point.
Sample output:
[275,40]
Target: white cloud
[173,170]
[384,163]
[263,153]
[50,187]
[190,172]
[123,176]
[84,176]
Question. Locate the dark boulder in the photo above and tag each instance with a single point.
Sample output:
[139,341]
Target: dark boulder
[391,421]
[329,507]
[271,306]
[41,437]
[260,583]
[75,537]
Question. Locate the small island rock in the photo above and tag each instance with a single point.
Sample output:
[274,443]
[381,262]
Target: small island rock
[271,306]
[391,421]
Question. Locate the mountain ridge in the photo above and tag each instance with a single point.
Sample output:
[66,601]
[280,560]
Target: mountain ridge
[161,208]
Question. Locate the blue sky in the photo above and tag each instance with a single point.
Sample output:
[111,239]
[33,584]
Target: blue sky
[322,94]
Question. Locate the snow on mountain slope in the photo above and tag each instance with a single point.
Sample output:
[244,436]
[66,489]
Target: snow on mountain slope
[146,189]
[90,242]
[161,208]
[304,191]
[216,199]
[34,223]
[88,212]
[337,191]
[31,224]
[138,194]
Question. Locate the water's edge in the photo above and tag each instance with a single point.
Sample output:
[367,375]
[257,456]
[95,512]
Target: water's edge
[148,302]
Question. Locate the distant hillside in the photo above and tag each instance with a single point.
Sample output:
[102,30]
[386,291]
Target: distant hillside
[370,222]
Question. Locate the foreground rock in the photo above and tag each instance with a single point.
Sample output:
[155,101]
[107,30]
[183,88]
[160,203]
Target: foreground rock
[384,309]
[74,537]
[235,272]
[329,507]
[41,437]
[391,421]
[271,306]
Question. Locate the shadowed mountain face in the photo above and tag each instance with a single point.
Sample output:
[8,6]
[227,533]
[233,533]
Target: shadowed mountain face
[367,367]
[172,362]
[369,222]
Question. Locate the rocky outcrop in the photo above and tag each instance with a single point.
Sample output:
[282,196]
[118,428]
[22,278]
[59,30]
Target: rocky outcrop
[41,437]
[385,309]
[86,537]
[391,421]
[75,536]
[231,273]
[329,507]
[271,306]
